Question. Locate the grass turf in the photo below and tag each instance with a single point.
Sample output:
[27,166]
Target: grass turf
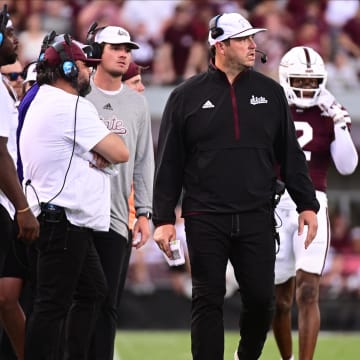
[175,345]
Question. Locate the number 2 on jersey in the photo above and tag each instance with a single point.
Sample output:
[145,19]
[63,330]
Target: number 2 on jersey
[305,137]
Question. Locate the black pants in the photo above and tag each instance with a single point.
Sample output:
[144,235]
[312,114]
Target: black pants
[68,271]
[8,240]
[13,251]
[114,252]
[7,236]
[247,240]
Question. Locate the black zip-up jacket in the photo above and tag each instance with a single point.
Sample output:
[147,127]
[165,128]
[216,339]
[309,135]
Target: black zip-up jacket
[221,144]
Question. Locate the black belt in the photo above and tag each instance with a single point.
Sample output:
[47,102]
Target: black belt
[52,213]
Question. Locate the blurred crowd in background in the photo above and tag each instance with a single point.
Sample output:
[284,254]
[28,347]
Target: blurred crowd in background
[172,35]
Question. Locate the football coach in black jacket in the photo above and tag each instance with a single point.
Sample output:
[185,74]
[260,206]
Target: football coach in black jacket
[223,135]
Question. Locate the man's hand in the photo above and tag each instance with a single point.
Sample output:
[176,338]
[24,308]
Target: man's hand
[29,227]
[309,218]
[328,104]
[99,161]
[163,235]
[141,227]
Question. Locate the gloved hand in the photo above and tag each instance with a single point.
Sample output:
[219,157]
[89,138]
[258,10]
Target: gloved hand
[328,104]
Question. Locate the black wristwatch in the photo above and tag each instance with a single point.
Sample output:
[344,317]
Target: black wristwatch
[147,214]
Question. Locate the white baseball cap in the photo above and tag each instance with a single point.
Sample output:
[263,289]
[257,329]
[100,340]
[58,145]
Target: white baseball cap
[231,25]
[115,35]
[30,74]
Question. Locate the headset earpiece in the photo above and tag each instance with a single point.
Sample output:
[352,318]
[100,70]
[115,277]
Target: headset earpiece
[68,68]
[4,18]
[48,39]
[216,31]
[96,49]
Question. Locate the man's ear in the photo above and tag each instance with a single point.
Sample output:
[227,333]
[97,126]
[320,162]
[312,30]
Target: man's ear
[220,47]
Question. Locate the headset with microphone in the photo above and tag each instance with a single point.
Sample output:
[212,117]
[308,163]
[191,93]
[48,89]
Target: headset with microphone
[216,31]
[68,68]
[94,50]
[263,56]
[4,18]
[48,39]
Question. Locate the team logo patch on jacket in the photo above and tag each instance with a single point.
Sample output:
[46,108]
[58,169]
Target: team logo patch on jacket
[255,100]
[208,105]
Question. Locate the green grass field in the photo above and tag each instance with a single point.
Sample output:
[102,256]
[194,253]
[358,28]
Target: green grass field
[175,345]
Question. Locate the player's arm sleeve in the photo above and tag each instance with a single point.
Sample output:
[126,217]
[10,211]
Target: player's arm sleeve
[343,151]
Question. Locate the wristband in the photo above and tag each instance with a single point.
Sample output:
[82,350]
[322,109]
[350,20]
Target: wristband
[23,210]
[147,214]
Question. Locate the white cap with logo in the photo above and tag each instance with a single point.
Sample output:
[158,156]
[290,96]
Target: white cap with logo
[229,26]
[115,35]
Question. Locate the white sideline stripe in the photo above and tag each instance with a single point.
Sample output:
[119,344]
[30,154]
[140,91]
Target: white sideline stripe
[116,355]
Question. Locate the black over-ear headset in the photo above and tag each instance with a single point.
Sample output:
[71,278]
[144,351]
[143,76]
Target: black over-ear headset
[68,67]
[215,31]
[95,50]
[4,18]
[47,41]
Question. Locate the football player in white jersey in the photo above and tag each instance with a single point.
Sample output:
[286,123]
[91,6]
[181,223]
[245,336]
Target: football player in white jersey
[322,126]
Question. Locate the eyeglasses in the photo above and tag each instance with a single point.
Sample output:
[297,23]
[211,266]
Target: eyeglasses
[13,76]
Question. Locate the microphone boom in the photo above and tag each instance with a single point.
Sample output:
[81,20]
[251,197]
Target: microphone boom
[263,56]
